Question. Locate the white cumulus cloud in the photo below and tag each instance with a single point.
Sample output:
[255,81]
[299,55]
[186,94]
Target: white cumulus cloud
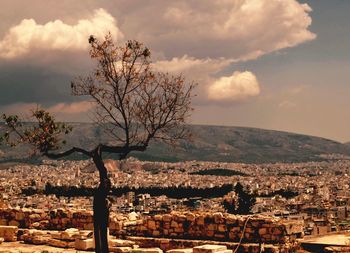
[235,29]
[28,35]
[191,66]
[237,87]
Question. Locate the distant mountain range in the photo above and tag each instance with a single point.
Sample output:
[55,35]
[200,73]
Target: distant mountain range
[215,143]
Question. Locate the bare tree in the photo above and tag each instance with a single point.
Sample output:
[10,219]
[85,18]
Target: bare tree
[133,103]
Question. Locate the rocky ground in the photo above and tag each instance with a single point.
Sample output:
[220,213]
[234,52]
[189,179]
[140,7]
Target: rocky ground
[20,247]
[70,231]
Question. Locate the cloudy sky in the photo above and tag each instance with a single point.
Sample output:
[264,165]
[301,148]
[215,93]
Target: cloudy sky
[274,64]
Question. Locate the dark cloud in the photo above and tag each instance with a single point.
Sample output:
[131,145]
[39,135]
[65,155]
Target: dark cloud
[41,77]
[32,84]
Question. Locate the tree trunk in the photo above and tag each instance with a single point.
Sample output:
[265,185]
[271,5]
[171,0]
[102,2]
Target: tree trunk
[101,217]
[101,207]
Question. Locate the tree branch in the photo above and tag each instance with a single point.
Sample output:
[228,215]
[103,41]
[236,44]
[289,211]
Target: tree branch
[67,153]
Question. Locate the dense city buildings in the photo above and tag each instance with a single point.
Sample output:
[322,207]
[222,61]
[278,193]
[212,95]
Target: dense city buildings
[316,193]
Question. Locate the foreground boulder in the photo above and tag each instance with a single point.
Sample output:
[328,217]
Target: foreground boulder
[9,233]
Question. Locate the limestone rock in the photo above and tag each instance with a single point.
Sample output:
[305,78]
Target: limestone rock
[167,217]
[9,233]
[70,234]
[188,250]
[40,240]
[147,250]
[14,223]
[120,249]
[218,217]
[133,216]
[87,244]
[60,244]
[151,225]
[208,248]
[120,243]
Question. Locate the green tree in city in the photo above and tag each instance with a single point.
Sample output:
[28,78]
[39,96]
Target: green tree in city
[245,201]
[241,203]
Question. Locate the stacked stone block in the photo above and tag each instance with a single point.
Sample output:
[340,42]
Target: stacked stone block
[167,230]
[217,226]
[56,219]
[8,233]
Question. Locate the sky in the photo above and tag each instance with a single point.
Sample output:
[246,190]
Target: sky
[273,64]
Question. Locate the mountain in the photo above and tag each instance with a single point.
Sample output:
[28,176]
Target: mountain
[215,143]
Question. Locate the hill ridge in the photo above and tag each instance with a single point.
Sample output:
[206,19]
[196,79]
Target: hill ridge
[218,143]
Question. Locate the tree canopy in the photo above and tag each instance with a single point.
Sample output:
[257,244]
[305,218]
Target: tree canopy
[133,103]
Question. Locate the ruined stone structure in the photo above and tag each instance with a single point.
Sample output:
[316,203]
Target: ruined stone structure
[217,226]
[167,231]
[57,219]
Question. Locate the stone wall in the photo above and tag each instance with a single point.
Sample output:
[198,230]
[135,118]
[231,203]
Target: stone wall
[175,225]
[168,244]
[218,227]
[56,219]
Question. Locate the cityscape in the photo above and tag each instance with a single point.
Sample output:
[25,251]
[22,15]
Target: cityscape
[314,194]
[187,126]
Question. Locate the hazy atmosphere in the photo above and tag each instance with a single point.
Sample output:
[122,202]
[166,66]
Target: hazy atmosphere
[182,126]
[281,65]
